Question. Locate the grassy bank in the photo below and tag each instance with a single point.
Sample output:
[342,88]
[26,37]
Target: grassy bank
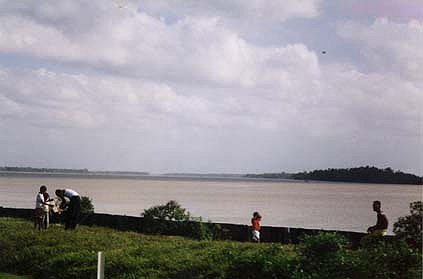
[56,253]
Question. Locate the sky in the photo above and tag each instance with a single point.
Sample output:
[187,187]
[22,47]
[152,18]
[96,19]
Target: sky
[240,86]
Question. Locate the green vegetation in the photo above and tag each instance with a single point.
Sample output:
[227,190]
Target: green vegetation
[325,255]
[172,219]
[409,227]
[361,174]
[86,205]
[11,276]
[389,259]
[171,211]
[56,253]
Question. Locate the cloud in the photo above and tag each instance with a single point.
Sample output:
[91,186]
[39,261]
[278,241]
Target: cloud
[376,103]
[187,84]
[242,11]
[389,46]
[393,9]
[203,49]
[25,36]
[50,99]
[273,10]
[259,86]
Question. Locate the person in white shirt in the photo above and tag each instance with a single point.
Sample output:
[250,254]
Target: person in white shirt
[47,209]
[39,213]
[73,208]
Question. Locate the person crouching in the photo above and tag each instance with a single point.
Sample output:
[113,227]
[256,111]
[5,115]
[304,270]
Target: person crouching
[73,208]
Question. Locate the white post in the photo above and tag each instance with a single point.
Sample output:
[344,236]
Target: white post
[100,266]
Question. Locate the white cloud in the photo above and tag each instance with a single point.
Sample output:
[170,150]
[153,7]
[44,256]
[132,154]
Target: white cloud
[64,100]
[20,35]
[245,10]
[193,86]
[134,43]
[242,12]
[389,46]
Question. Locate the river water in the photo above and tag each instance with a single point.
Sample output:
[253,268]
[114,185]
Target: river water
[321,205]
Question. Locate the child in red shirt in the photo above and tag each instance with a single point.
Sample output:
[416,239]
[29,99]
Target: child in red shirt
[255,222]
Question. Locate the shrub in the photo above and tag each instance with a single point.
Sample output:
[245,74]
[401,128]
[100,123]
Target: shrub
[268,262]
[384,258]
[172,219]
[170,211]
[86,205]
[325,256]
[409,227]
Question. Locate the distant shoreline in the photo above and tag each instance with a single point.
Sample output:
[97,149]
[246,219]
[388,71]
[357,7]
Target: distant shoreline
[371,175]
[169,177]
[174,176]
[367,175]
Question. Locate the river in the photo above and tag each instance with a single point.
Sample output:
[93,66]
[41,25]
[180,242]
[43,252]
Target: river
[321,205]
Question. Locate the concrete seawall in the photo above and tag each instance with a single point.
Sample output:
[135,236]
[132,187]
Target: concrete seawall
[233,232]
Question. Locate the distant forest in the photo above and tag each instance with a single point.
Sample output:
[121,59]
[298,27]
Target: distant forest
[361,174]
[70,171]
[49,170]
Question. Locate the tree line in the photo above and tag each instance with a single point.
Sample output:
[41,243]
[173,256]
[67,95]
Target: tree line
[73,171]
[49,170]
[365,174]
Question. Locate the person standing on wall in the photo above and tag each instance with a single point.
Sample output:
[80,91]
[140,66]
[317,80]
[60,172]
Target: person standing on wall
[73,208]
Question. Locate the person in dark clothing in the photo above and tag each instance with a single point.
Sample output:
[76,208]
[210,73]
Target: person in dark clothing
[255,227]
[381,227]
[73,208]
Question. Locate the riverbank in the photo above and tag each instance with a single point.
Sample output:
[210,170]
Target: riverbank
[56,253]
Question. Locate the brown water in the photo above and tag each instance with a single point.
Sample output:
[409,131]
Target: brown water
[338,206]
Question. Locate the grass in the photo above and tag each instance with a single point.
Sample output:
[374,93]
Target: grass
[56,253]
[11,276]
[73,254]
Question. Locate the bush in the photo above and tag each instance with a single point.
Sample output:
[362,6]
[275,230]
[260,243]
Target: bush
[270,262]
[409,227]
[172,219]
[86,205]
[384,258]
[325,256]
[170,211]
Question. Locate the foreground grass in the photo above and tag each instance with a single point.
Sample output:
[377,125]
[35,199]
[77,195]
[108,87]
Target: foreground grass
[11,276]
[56,253]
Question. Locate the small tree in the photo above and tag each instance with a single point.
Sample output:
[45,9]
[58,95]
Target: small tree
[171,211]
[172,219]
[86,205]
[410,227]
